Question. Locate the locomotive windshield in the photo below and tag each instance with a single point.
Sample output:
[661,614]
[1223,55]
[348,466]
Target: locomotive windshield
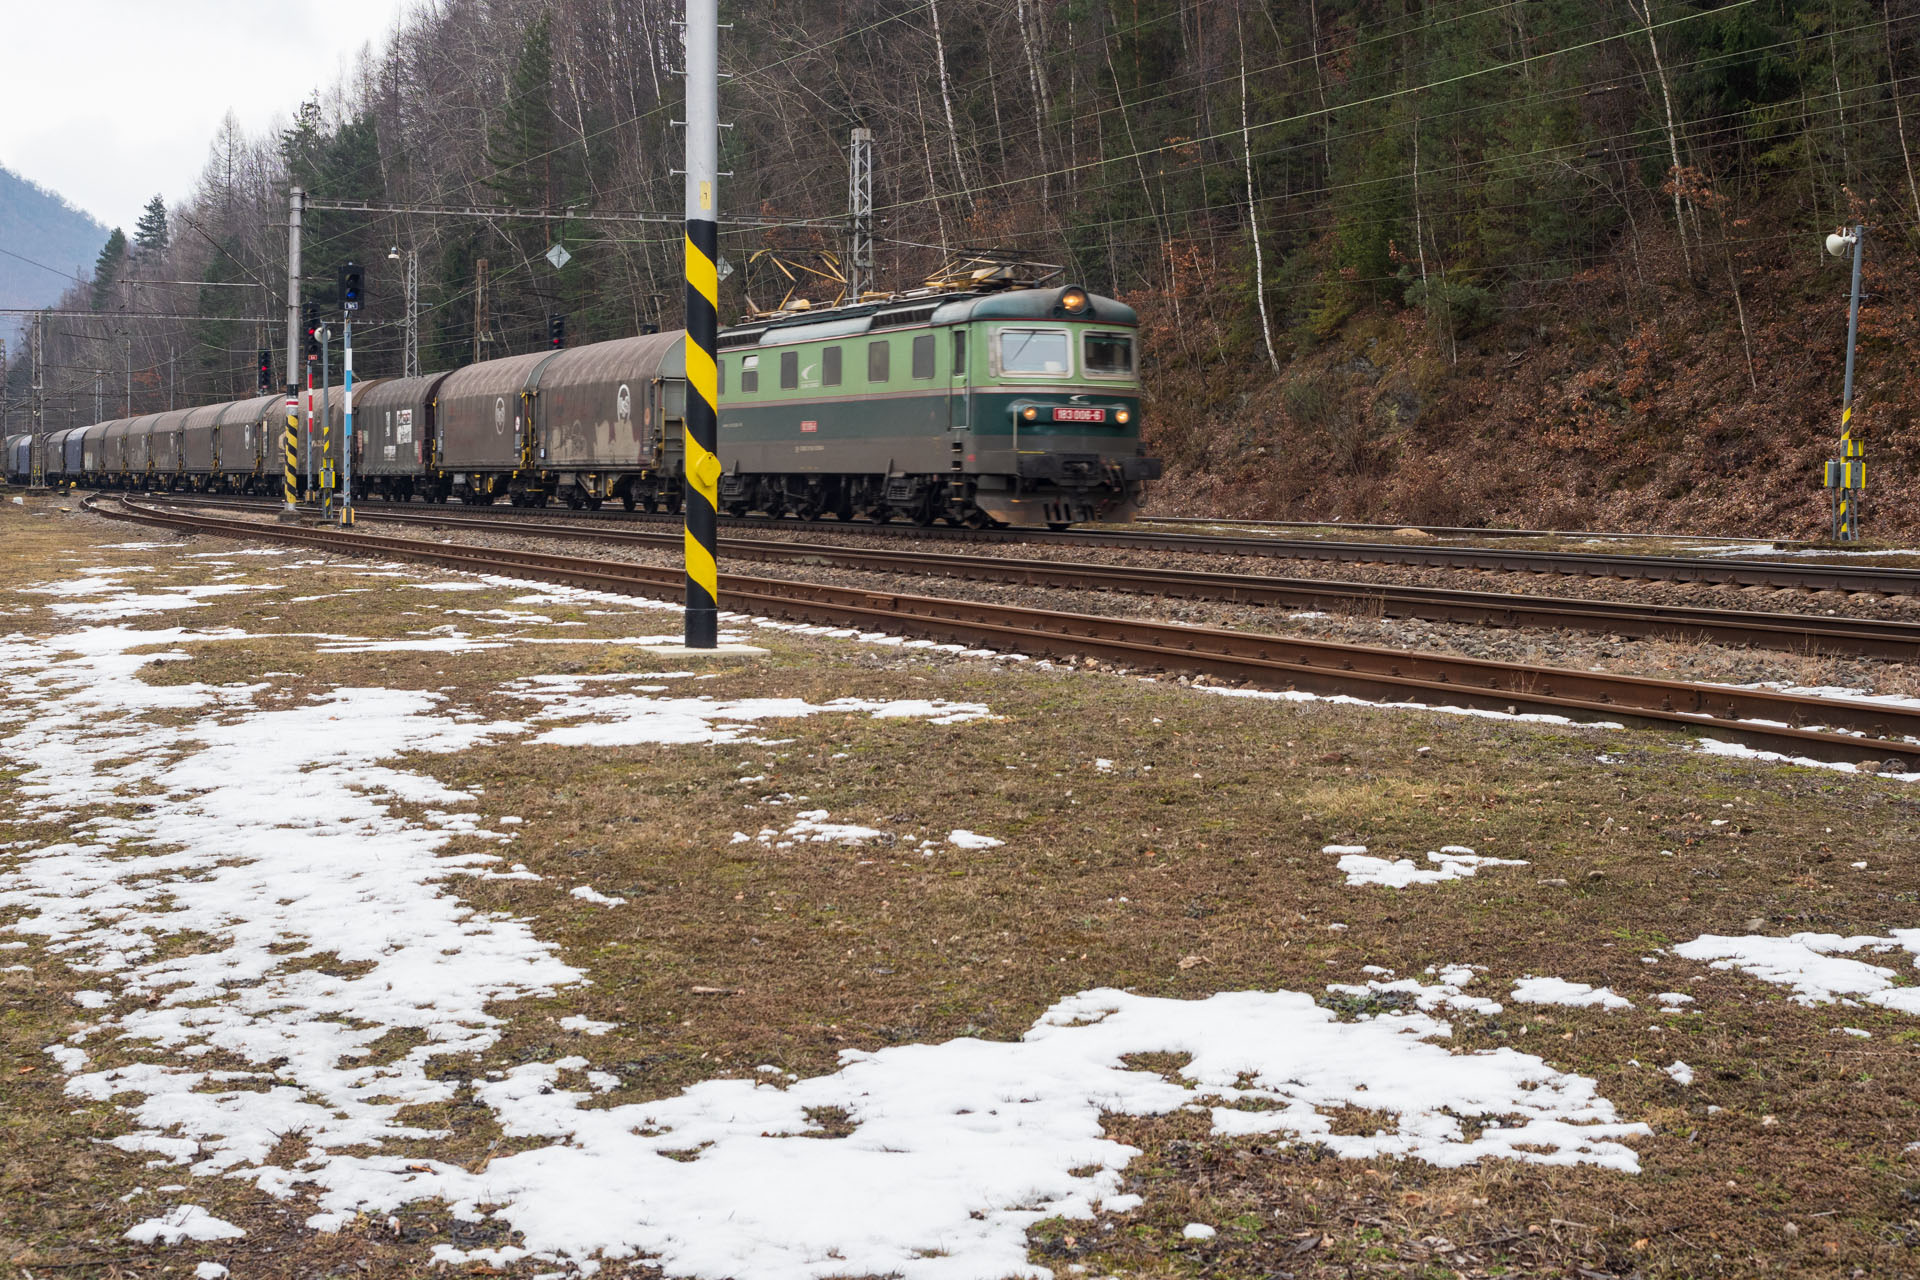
[1108,355]
[1034,351]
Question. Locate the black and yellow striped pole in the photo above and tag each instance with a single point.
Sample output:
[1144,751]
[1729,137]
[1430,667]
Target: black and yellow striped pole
[703,322]
[290,439]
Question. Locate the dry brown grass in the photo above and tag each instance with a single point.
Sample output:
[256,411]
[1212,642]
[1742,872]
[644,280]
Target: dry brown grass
[1194,866]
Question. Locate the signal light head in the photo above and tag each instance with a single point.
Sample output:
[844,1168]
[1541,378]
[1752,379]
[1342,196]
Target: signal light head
[351,280]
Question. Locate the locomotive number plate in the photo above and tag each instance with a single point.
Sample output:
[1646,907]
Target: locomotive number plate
[1079,415]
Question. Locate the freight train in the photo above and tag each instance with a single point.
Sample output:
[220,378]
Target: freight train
[986,405]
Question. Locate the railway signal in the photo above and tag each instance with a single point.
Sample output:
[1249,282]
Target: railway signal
[310,323]
[350,288]
[266,373]
[556,331]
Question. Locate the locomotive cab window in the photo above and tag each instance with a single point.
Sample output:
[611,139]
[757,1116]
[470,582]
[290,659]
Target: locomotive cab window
[789,370]
[1034,353]
[923,356]
[879,367]
[830,367]
[720,377]
[1107,355]
[749,374]
[959,353]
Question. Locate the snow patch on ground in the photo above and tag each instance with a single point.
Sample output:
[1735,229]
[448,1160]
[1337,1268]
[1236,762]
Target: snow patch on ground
[1578,995]
[1344,700]
[187,1222]
[634,719]
[1817,967]
[1451,862]
[1426,997]
[957,1148]
[1736,751]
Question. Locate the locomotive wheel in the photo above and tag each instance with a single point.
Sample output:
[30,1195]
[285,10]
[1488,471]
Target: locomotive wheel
[652,504]
[593,504]
[626,499]
[574,500]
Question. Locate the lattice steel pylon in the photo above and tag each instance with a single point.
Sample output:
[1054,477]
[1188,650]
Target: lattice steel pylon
[36,448]
[411,362]
[860,207]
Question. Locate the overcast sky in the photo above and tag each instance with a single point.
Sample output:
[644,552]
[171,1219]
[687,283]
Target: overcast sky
[110,101]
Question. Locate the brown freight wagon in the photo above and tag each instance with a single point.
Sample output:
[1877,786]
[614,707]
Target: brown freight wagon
[199,445]
[483,429]
[395,441]
[164,448]
[93,451]
[250,432]
[610,421]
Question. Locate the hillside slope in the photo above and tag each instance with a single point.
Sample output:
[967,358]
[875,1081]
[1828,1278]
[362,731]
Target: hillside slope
[40,228]
[1618,398]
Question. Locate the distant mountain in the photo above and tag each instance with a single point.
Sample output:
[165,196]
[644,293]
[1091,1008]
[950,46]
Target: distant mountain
[37,224]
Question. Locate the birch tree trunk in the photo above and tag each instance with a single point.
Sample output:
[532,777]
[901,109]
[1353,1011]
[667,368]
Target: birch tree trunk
[946,100]
[1645,14]
[1253,209]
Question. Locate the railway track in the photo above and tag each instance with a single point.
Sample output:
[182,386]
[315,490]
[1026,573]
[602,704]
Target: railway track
[1897,641]
[1467,531]
[1773,574]
[1814,727]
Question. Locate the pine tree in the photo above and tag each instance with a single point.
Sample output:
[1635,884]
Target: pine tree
[150,233]
[108,268]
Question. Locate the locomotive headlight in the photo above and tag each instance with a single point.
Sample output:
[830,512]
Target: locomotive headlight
[1123,417]
[1074,300]
[1029,413]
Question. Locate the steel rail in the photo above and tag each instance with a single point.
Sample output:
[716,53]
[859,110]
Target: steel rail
[1627,567]
[1794,633]
[1469,531]
[1773,721]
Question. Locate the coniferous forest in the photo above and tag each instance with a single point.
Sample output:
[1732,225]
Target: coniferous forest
[1542,261]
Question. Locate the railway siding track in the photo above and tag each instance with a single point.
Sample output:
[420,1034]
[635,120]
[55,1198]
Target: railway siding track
[1815,727]
[1776,574]
[1792,633]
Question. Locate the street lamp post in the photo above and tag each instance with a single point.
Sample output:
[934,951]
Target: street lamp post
[1847,475]
[410,351]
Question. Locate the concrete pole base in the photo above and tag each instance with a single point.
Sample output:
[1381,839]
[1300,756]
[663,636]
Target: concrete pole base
[725,652]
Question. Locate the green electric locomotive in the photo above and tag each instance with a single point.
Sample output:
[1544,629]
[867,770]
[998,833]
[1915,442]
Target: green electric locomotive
[989,406]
